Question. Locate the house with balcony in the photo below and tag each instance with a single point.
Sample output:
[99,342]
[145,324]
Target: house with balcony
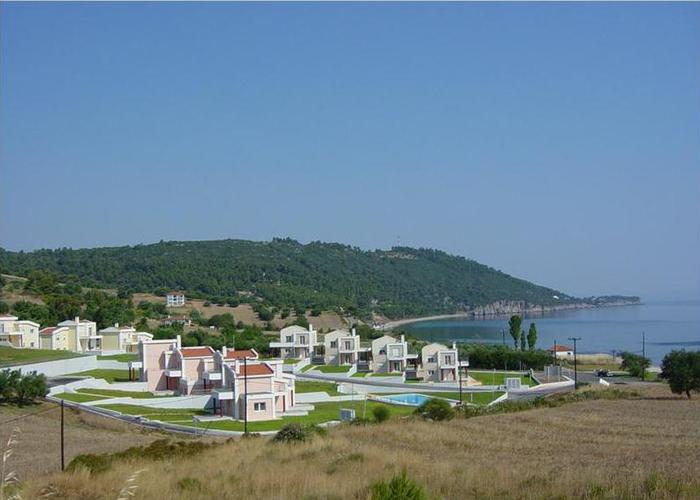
[175,298]
[122,338]
[180,320]
[344,348]
[18,333]
[296,342]
[258,390]
[83,336]
[55,338]
[390,355]
[439,363]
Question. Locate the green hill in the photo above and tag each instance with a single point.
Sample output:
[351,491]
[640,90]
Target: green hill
[398,283]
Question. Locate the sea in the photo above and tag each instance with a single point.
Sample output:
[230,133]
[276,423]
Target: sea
[655,327]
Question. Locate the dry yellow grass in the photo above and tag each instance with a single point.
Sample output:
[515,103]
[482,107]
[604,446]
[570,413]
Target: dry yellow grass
[645,447]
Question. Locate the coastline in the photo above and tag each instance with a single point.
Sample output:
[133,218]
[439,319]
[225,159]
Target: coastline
[495,311]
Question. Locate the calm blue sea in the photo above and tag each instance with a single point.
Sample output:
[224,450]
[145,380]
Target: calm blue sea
[667,326]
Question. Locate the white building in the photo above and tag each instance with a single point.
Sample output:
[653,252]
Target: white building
[175,299]
[296,342]
[83,336]
[390,355]
[439,363]
[18,333]
[122,338]
[343,348]
[562,351]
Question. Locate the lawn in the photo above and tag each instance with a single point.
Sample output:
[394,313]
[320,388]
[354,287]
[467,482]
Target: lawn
[291,361]
[78,397]
[123,358]
[307,368]
[328,387]
[110,376]
[10,356]
[360,374]
[479,398]
[395,374]
[113,393]
[332,368]
[499,378]
[322,412]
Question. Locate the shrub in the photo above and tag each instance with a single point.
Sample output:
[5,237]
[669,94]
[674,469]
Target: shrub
[436,409]
[93,463]
[682,371]
[189,484]
[292,433]
[634,363]
[381,413]
[399,487]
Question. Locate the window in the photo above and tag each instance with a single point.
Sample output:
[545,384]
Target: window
[334,344]
[431,372]
[347,345]
[449,360]
[290,338]
[395,352]
[302,339]
[259,406]
[431,359]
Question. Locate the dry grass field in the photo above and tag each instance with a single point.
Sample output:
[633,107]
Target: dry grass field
[38,449]
[646,447]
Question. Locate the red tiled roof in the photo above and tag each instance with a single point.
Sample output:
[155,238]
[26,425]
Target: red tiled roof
[243,353]
[196,352]
[561,348]
[48,330]
[256,369]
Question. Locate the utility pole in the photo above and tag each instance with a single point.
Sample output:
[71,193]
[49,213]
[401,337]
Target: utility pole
[575,339]
[459,368]
[644,356]
[503,336]
[63,457]
[245,397]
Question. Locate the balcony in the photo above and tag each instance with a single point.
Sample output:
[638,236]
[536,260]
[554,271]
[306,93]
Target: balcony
[212,375]
[173,373]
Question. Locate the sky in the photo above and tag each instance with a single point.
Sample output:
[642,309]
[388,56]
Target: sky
[557,142]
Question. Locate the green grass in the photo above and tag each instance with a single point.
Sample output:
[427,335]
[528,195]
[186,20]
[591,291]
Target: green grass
[499,378]
[359,374]
[10,356]
[78,398]
[323,412]
[332,369]
[119,394]
[328,387]
[291,361]
[110,376]
[307,368]
[124,358]
[392,374]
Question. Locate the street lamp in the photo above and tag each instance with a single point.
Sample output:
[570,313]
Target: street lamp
[245,396]
[575,339]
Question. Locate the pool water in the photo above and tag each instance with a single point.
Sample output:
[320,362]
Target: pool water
[407,399]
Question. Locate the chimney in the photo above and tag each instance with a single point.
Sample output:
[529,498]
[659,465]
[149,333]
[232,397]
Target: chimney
[178,341]
[454,345]
[311,327]
[223,351]
[403,338]
[353,331]
[116,325]
[77,320]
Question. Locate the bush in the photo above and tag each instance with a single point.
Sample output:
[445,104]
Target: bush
[500,356]
[381,413]
[682,371]
[292,433]
[398,488]
[634,363]
[24,387]
[436,409]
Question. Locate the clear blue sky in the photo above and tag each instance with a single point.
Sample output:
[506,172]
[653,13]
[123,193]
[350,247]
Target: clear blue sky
[557,142]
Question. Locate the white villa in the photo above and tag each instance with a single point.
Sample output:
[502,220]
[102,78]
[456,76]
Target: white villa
[83,336]
[390,355]
[18,333]
[122,338]
[175,299]
[296,342]
[440,363]
[343,348]
[55,338]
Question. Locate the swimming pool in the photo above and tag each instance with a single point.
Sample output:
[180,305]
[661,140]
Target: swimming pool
[405,399]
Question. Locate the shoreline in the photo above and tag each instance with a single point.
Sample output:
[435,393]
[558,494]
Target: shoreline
[390,325]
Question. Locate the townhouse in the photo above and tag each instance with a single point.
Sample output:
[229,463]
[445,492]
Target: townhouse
[344,348]
[175,299]
[390,355]
[82,335]
[122,338]
[18,333]
[239,382]
[439,363]
[55,338]
[296,342]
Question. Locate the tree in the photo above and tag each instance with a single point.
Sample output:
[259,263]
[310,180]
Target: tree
[381,413]
[514,324]
[436,409]
[522,340]
[30,386]
[63,307]
[8,383]
[682,371]
[634,363]
[4,308]
[531,337]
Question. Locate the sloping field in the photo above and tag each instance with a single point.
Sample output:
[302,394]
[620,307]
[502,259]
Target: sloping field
[647,447]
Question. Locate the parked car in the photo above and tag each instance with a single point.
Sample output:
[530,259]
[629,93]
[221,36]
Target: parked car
[603,373]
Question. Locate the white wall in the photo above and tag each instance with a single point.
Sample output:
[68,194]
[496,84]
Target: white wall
[61,366]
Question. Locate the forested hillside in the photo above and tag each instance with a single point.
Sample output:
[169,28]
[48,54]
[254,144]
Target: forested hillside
[397,283]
